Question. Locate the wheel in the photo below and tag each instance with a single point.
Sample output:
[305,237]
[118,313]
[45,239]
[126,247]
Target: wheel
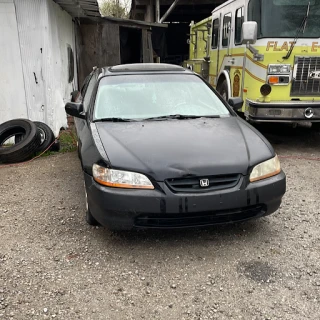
[223,90]
[47,136]
[89,217]
[91,220]
[27,145]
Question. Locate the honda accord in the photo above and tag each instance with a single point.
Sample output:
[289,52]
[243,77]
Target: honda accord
[159,148]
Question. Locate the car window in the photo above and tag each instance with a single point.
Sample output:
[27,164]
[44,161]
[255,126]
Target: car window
[88,93]
[85,84]
[145,96]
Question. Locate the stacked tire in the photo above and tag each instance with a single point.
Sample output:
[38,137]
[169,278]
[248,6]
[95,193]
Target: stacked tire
[29,138]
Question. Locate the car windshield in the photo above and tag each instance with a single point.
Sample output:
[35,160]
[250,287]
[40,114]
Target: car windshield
[282,18]
[156,95]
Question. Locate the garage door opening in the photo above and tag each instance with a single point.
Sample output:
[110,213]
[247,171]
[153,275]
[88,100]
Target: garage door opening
[130,45]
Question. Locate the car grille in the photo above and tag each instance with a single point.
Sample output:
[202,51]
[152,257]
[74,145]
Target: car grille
[302,84]
[192,184]
[199,218]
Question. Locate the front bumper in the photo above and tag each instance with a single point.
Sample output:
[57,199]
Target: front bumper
[283,111]
[120,209]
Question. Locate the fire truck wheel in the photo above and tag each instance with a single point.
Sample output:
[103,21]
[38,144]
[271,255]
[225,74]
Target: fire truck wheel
[223,90]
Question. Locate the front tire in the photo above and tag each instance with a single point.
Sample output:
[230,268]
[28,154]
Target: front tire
[89,217]
[223,90]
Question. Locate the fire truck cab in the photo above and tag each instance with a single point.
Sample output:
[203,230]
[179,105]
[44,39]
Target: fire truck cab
[264,51]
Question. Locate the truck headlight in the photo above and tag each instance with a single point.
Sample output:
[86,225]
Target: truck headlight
[279,69]
[120,179]
[266,169]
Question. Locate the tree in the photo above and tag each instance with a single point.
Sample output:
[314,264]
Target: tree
[115,8]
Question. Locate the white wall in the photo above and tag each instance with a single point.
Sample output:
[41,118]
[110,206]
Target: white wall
[44,31]
[12,93]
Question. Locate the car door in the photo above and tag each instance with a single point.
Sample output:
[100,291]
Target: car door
[237,52]
[225,58]
[214,53]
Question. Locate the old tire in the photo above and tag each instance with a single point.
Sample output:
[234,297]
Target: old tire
[223,90]
[26,147]
[46,134]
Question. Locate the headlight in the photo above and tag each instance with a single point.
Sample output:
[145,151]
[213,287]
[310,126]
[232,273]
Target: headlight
[120,179]
[279,69]
[266,169]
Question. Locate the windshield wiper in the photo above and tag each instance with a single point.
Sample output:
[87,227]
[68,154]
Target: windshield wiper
[179,117]
[302,29]
[114,120]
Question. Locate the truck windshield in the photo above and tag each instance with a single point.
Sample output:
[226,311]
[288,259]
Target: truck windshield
[282,18]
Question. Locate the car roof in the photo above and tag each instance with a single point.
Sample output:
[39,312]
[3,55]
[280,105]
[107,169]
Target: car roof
[140,68]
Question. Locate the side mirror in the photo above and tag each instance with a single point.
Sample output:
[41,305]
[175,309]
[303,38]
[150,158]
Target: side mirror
[249,32]
[75,110]
[236,103]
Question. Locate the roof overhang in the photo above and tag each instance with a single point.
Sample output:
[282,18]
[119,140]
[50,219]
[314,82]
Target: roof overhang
[80,8]
[124,22]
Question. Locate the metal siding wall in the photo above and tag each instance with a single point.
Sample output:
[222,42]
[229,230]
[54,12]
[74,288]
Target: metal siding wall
[45,32]
[12,93]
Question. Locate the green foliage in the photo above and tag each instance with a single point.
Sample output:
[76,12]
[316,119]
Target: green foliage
[113,8]
[68,141]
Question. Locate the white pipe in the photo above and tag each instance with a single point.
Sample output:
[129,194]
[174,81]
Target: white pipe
[157,11]
[175,2]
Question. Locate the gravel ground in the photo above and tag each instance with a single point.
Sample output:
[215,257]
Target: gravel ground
[53,265]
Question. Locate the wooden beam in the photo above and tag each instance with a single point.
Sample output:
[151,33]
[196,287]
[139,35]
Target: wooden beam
[184,2]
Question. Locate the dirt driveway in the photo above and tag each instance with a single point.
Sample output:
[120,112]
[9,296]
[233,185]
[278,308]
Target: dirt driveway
[53,265]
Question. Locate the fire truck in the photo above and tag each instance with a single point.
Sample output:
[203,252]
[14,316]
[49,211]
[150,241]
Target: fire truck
[266,52]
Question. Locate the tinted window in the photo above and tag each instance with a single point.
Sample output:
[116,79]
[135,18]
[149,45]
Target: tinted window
[88,93]
[226,29]
[146,96]
[239,19]
[85,85]
[215,33]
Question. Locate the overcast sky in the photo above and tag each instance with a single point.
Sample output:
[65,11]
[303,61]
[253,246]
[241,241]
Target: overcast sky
[121,1]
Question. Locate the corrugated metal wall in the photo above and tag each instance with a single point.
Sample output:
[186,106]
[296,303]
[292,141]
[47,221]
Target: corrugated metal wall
[45,32]
[12,93]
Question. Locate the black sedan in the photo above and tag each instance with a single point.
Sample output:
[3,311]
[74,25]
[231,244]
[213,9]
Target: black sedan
[160,148]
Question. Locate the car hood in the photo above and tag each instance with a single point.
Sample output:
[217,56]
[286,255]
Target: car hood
[177,148]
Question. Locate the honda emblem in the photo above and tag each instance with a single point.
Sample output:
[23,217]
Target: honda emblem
[204,183]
